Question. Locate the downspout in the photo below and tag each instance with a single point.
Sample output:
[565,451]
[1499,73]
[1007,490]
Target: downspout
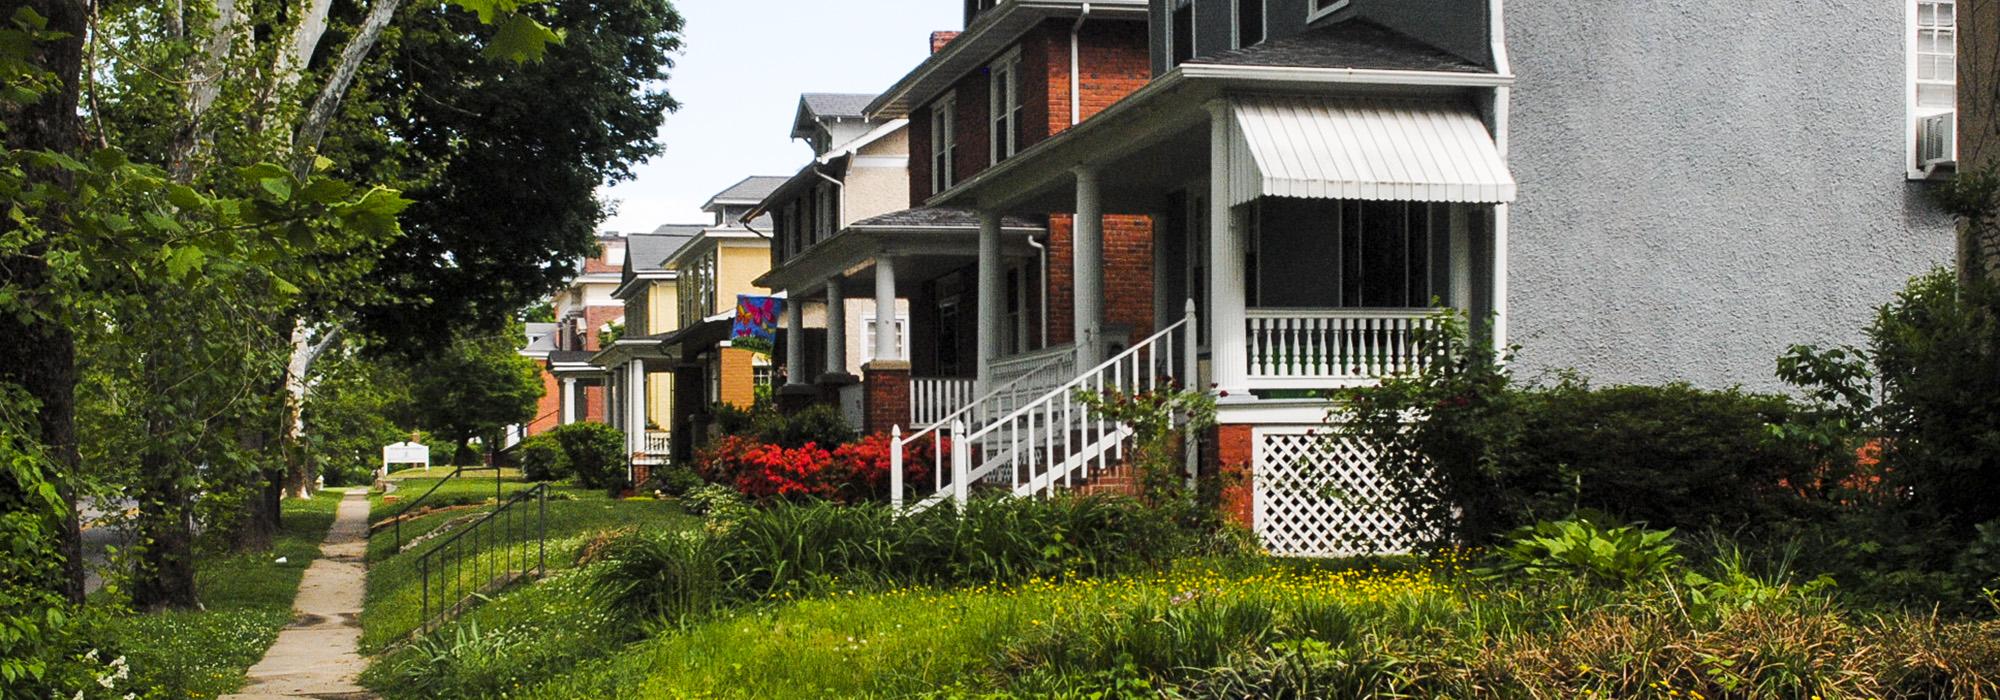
[1075,70]
[1502,99]
[839,199]
[1042,252]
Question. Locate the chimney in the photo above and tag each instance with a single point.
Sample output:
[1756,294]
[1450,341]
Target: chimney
[940,39]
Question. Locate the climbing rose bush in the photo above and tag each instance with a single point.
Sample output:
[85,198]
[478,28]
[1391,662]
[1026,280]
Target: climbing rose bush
[854,472]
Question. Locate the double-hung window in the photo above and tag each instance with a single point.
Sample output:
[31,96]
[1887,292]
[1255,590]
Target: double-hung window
[944,144]
[1180,31]
[1933,91]
[1004,106]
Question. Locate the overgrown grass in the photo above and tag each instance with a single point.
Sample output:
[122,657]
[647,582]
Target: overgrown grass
[472,487]
[202,654]
[576,517]
[1272,630]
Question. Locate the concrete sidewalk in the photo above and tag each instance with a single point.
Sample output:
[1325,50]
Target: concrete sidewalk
[318,656]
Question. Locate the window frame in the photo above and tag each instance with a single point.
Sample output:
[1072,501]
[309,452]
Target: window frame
[1315,11]
[1914,113]
[1008,64]
[868,337]
[944,144]
[1174,7]
[1236,22]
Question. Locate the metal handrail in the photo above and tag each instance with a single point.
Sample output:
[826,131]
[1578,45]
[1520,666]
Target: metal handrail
[456,543]
[396,521]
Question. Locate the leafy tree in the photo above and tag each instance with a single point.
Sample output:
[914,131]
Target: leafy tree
[473,388]
[348,415]
[502,161]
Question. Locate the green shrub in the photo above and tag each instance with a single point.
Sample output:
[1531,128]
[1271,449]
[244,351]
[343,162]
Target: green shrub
[676,480]
[1619,555]
[595,452]
[1489,456]
[820,424]
[667,575]
[542,458]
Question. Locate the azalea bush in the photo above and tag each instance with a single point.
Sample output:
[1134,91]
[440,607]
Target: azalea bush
[850,473]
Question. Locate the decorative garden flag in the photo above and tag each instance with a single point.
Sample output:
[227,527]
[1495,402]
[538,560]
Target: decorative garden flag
[757,319]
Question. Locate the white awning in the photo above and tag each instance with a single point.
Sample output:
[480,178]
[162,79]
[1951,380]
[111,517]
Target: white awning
[1363,148]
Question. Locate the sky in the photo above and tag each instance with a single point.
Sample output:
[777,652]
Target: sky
[743,67]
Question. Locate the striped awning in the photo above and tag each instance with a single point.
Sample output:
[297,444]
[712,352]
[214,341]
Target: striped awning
[1363,148]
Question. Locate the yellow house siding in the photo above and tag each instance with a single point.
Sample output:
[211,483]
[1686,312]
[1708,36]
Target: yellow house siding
[662,308]
[738,377]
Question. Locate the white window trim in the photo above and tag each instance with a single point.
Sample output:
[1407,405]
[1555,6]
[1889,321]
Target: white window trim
[1010,63]
[1236,21]
[1313,15]
[1911,112]
[944,143]
[868,338]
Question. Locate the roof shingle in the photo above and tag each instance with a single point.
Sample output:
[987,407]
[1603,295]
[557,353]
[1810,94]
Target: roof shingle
[1359,44]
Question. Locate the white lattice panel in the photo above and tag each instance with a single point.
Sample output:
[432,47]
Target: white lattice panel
[1318,494]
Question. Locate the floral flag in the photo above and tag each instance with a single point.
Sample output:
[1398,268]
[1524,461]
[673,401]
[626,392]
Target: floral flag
[756,320]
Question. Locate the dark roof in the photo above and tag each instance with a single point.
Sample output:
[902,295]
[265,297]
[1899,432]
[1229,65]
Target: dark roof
[571,357]
[751,190]
[828,104]
[645,251]
[938,217]
[1356,43]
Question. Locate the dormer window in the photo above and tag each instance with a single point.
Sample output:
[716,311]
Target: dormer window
[1004,102]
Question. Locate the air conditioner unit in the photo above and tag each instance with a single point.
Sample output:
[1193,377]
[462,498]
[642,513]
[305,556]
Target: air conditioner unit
[1937,140]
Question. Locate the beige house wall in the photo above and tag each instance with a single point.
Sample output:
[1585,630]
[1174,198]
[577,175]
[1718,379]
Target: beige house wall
[878,180]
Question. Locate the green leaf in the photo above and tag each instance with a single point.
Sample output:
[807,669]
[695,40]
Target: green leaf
[278,187]
[184,260]
[521,39]
[185,197]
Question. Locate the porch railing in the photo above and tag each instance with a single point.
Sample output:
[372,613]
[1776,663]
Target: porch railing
[931,438]
[658,443]
[933,398]
[1322,348]
[1025,377]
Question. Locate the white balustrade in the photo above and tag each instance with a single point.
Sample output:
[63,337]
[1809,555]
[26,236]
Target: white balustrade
[658,443]
[934,398]
[1329,348]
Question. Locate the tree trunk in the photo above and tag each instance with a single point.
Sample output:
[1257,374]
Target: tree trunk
[205,85]
[164,576]
[305,141]
[37,352]
[261,503]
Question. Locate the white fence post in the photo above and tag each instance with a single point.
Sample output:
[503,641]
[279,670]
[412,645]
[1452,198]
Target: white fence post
[1191,369]
[961,463]
[896,468]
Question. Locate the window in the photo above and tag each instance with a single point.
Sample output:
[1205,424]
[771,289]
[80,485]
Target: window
[1370,254]
[829,214]
[1249,22]
[763,373]
[944,144]
[1004,105]
[1180,37]
[868,338]
[696,289]
[1316,9]
[1933,90]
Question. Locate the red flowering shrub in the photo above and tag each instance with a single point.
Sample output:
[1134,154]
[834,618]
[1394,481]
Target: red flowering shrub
[853,472]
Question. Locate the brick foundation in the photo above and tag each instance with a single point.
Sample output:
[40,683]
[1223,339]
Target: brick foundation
[885,401]
[1227,452]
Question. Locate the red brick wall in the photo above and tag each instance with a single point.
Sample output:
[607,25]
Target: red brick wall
[885,401]
[1228,448]
[1128,275]
[593,403]
[594,318]
[548,411]
[596,264]
[1115,63]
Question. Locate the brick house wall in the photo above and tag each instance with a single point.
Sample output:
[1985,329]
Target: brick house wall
[1128,276]
[548,410]
[594,318]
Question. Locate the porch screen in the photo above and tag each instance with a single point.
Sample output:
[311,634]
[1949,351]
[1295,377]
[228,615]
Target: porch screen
[1350,254]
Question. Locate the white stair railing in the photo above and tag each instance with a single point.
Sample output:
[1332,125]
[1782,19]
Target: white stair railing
[932,399]
[1055,441]
[956,422]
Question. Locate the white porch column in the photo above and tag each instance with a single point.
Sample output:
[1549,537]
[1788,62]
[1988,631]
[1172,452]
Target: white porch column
[636,392]
[796,373]
[1087,259]
[1226,245]
[1500,277]
[567,411]
[836,327]
[885,309]
[992,300]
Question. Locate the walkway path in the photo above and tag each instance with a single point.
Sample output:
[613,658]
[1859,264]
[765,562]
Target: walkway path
[318,655]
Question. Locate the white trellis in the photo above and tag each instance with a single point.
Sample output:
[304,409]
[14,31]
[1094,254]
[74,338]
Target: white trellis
[1318,493]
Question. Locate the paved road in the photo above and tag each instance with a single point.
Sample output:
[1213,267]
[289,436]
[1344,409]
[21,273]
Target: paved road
[99,538]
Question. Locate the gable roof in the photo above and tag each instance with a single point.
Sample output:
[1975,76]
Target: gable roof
[835,104]
[747,192]
[644,252]
[1357,43]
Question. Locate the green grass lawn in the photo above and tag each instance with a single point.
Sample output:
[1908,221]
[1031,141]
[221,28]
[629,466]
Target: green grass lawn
[576,516]
[201,654]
